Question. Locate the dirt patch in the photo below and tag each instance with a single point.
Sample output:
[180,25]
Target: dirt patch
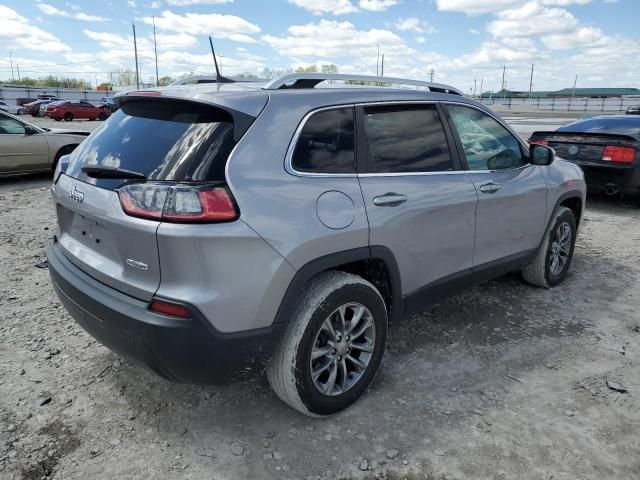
[502,381]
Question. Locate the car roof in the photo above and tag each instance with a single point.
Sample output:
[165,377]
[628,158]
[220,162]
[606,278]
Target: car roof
[251,97]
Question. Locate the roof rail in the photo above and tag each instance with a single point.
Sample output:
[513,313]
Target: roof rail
[310,80]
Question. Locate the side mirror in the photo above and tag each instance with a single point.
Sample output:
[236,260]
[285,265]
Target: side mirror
[541,154]
[29,130]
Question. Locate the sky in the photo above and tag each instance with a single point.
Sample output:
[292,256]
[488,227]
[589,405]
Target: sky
[458,40]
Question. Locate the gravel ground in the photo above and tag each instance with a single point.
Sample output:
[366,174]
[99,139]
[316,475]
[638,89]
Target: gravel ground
[504,381]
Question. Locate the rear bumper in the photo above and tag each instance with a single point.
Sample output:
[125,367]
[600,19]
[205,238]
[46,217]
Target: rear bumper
[186,351]
[599,178]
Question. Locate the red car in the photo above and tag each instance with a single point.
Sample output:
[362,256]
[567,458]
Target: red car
[76,109]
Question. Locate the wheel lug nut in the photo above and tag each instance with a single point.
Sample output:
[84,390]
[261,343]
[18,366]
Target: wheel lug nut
[333,352]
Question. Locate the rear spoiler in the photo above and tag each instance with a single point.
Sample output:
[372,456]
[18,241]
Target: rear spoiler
[600,137]
[241,121]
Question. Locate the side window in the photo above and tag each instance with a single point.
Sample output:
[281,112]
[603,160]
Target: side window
[406,139]
[326,143]
[11,126]
[487,145]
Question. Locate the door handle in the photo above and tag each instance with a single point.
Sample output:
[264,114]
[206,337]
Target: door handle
[389,200]
[490,187]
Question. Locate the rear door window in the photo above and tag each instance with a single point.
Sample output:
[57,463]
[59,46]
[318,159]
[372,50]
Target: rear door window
[404,139]
[172,141]
[326,143]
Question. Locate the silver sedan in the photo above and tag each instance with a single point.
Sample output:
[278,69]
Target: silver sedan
[26,148]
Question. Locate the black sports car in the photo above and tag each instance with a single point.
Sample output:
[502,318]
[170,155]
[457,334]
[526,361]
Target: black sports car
[606,147]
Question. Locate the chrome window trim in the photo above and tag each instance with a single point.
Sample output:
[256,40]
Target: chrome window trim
[288,164]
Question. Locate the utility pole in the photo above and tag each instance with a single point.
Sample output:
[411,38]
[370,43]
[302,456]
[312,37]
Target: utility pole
[531,83]
[431,74]
[382,67]
[504,92]
[481,82]
[474,88]
[18,68]
[378,62]
[11,61]
[573,94]
[155,49]
[135,49]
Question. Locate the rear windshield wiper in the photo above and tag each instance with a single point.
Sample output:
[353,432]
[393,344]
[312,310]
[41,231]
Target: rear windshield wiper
[96,171]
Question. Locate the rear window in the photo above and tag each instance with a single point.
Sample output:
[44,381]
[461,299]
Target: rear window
[172,141]
[326,143]
[405,139]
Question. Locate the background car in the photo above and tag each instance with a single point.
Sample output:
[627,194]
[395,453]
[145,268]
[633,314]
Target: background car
[633,110]
[76,109]
[26,148]
[33,108]
[108,103]
[15,109]
[606,147]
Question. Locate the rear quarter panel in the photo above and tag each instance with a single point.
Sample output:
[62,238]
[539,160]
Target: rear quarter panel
[281,207]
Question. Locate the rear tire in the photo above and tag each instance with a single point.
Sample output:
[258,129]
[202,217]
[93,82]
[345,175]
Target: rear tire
[102,116]
[333,378]
[68,117]
[550,265]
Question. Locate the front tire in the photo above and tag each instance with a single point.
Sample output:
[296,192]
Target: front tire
[332,347]
[551,264]
[68,117]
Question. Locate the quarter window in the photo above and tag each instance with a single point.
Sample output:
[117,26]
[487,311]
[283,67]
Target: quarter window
[487,145]
[406,139]
[326,143]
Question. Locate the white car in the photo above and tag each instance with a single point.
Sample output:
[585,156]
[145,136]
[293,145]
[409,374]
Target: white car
[15,109]
[26,148]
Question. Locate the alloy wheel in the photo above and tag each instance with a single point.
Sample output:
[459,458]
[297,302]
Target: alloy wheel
[342,349]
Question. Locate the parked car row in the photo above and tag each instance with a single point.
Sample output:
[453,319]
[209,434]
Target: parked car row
[60,109]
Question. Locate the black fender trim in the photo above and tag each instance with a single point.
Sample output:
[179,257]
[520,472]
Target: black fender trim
[565,196]
[333,260]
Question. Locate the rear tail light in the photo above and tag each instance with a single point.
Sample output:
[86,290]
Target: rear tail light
[179,203]
[170,309]
[619,154]
[539,142]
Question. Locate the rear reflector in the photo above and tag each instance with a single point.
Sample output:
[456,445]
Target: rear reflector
[539,142]
[178,203]
[170,309]
[619,154]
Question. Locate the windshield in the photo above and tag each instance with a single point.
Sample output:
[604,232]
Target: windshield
[171,140]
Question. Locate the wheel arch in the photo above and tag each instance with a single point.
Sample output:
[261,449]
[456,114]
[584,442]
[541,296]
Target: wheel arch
[59,153]
[376,264]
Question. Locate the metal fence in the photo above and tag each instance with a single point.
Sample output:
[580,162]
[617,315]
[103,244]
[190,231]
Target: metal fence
[576,104]
[10,94]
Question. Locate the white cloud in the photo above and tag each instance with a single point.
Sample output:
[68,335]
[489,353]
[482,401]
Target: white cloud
[178,40]
[17,32]
[53,11]
[320,7]
[217,25]
[411,23]
[182,3]
[377,5]
[474,31]
[475,7]
[332,38]
[421,39]
[532,19]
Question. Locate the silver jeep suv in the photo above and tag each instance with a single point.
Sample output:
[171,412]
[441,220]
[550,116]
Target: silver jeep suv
[210,230]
